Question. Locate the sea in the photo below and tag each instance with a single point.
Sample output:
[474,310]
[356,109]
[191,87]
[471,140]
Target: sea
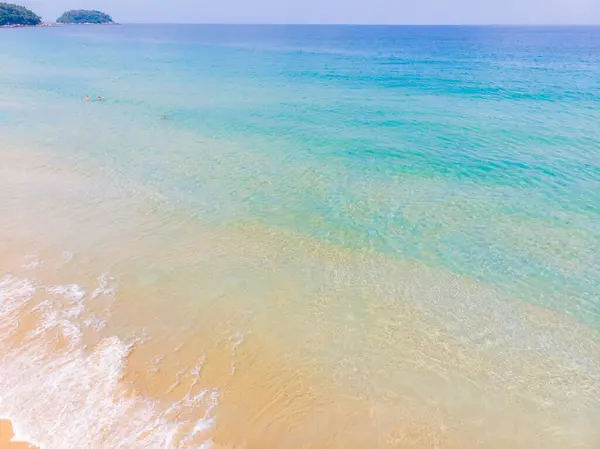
[300,237]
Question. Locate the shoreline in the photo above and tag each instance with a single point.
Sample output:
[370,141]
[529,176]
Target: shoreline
[41,25]
[216,354]
[54,25]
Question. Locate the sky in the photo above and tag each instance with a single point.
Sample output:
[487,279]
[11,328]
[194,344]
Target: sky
[333,11]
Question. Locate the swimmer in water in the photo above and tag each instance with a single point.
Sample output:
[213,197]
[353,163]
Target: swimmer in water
[87,98]
[99,98]
[164,117]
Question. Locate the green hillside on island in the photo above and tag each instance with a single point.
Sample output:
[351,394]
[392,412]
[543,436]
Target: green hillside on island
[84,16]
[16,15]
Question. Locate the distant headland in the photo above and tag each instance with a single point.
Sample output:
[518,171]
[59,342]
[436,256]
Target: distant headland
[84,16]
[16,15]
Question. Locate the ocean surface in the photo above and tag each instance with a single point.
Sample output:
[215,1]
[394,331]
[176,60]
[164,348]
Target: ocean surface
[338,236]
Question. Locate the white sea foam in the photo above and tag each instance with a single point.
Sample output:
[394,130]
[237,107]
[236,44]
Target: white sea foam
[106,287]
[236,340]
[67,256]
[32,261]
[74,398]
[95,323]
[72,292]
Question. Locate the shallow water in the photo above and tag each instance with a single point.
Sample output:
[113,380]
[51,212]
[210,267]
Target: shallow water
[340,236]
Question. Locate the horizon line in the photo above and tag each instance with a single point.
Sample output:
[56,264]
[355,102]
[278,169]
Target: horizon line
[524,24]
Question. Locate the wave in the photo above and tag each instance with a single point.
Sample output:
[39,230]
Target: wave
[59,392]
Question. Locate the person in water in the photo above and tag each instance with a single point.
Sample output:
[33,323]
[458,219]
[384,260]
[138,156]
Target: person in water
[99,98]
[164,117]
[87,98]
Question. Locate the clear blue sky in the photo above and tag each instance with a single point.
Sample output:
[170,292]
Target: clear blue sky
[334,11]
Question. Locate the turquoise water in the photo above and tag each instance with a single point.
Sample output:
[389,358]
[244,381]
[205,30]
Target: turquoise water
[339,237]
[473,149]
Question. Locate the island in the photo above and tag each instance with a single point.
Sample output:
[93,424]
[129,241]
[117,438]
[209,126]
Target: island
[16,16]
[84,16]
